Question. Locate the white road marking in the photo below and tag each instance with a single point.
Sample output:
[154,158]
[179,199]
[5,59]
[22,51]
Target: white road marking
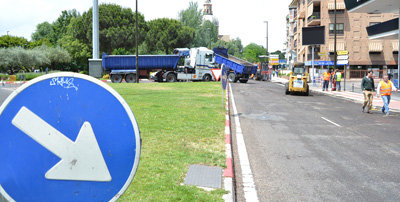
[249,188]
[280,84]
[331,122]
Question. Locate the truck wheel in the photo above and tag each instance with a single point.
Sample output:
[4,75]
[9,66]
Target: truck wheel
[287,89]
[207,77]
[171,77]
[130,78]
[116,78]
[232,77]
[243,81]
[308,91]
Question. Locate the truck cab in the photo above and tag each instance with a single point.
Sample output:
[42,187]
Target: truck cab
[200,58]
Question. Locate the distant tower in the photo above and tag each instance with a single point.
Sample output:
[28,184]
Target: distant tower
[208,14]
[207,8]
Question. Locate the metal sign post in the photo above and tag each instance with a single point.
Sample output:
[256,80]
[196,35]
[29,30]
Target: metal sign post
[67,137]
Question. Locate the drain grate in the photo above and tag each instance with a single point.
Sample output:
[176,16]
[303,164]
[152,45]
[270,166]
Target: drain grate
[204,176]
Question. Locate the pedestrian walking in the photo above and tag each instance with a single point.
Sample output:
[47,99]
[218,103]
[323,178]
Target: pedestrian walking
[384,90]
[368,87]
[333,78]
[327,76]
[338,78]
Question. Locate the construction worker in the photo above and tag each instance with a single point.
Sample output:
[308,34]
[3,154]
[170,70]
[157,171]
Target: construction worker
[385,89]
[327,77]
[368,87]
[338,78]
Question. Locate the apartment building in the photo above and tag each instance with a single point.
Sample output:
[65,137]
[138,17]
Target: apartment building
[352,36]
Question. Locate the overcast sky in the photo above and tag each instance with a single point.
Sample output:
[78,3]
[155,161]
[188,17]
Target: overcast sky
[237,18]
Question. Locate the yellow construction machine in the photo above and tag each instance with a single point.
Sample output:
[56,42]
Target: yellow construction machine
[298,81]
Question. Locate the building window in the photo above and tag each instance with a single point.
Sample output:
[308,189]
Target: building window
[339,28]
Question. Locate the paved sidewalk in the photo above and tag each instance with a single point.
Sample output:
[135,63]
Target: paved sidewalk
[353,96]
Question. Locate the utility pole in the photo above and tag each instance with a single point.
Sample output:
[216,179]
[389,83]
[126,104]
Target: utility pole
[266,47]
[334,49]
[95,36]
[137,46]
[398,55]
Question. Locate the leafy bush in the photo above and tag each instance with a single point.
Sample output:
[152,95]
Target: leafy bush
[3,76]
[28,76]
[106,76]
[84,72]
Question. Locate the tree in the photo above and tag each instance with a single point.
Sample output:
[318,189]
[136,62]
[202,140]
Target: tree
[166,34]
[7,41]
[234,47]
[60,26]
[206,34]
[117,28]
[192,16]
[44,31]
[79,51]
[252,51]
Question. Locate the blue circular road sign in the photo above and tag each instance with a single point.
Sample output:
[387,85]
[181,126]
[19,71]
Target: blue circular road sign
[67,137]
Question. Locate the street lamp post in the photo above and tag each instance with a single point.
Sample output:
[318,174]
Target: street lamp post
[137,47]
[266,47]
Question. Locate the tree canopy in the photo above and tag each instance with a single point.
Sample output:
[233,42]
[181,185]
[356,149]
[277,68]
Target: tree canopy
[252,51]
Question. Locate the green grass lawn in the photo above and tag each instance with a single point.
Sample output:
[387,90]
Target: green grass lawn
[181,124]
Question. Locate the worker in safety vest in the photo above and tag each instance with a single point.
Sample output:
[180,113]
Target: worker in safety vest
[338,78]
[327,76]
[385,89]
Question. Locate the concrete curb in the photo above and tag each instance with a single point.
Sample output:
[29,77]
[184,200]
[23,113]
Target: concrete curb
[228,172]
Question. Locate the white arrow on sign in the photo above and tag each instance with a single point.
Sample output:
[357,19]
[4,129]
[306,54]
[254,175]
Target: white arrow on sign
[80,160]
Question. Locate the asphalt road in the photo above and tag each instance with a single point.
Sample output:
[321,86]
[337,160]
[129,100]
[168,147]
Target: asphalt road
[296,154]
[4,92]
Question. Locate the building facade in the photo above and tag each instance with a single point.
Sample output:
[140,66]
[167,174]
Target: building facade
[351,36]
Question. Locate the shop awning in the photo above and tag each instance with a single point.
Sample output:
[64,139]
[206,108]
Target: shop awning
[395,45]
[375,46]
[339,46]
[310,10]
[339,6]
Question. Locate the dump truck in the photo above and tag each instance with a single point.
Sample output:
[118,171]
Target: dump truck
[238,69]
[167,67]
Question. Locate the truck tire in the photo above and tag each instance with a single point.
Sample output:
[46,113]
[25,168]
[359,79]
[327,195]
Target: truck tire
[308,91]
[243,81]
[130,78]
[171,77]
[116,78]
[287,89]
[232,77]
[207,77]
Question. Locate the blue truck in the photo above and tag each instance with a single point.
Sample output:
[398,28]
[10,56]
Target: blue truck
[124,66]
[238,69]
[196,65]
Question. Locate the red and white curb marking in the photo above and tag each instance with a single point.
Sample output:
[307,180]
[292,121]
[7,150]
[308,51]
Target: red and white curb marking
[228,172]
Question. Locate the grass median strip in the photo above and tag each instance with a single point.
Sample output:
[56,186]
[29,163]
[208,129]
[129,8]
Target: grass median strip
[181,124]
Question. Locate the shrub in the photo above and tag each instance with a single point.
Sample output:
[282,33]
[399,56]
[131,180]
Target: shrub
[28,76]
[106,76]
[3,76]
[84,72]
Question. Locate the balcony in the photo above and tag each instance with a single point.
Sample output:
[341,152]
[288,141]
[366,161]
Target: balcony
[314,19]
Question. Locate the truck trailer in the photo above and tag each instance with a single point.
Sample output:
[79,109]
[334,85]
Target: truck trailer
[238,69]
[197,66]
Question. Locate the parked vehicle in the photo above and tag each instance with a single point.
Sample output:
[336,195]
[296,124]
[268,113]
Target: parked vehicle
[197,64]
[238,69]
